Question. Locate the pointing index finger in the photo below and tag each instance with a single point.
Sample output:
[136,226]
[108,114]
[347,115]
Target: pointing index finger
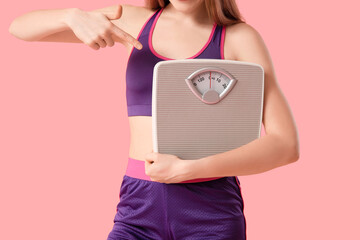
[124,36]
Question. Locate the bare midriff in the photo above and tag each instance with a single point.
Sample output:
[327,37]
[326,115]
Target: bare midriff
[140,136]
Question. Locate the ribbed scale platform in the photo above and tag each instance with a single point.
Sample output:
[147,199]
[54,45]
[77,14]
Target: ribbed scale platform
[185,126]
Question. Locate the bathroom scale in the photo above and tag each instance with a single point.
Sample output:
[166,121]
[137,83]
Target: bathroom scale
[201,107]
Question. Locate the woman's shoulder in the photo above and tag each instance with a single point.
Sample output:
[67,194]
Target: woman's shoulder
[242,38]
[133,18]
[241,30]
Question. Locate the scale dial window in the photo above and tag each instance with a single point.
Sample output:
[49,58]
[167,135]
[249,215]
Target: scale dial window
[210,84]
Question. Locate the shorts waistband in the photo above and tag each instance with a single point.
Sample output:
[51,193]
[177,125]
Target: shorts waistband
[136,168]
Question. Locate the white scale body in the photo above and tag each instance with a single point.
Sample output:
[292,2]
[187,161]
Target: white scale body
[202,107]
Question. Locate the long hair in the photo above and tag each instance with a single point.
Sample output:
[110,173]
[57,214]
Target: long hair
[223,12]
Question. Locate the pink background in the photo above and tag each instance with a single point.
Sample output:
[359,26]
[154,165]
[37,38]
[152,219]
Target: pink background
[64,133]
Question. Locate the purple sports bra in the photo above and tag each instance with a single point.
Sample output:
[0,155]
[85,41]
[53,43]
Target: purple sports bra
[140,66]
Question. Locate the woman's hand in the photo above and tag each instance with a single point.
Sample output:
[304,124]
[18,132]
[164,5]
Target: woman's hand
[96,30]
[165,168]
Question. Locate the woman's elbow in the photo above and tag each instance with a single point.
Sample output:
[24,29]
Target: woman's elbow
[289,147]
[13,30]
[17,30]
[293,151]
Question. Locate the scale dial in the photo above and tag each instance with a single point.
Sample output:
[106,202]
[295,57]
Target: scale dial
[210,84]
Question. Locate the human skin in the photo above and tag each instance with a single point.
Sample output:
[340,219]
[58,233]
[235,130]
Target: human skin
[94,28]
[280,145]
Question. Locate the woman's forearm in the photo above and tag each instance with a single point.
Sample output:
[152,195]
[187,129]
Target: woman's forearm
[260,155]
[37,24]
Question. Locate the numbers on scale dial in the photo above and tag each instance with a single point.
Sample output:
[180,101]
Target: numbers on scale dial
[211,80]
[210,84]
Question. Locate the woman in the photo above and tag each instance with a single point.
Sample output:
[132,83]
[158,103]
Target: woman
[163,196]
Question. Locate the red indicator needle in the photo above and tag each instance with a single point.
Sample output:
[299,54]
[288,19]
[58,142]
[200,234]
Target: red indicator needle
[210,79]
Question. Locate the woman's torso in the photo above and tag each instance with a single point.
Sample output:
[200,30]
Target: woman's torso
[169,41]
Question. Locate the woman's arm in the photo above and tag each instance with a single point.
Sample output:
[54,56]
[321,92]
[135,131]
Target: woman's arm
[100,27]
[34,25]
[280,145]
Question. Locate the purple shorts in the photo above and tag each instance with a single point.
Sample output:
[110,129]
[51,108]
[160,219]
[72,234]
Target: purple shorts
[198,210]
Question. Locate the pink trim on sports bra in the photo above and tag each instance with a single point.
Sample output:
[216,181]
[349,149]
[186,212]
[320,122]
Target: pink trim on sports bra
[166,58]
[222,42]
[139,34]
